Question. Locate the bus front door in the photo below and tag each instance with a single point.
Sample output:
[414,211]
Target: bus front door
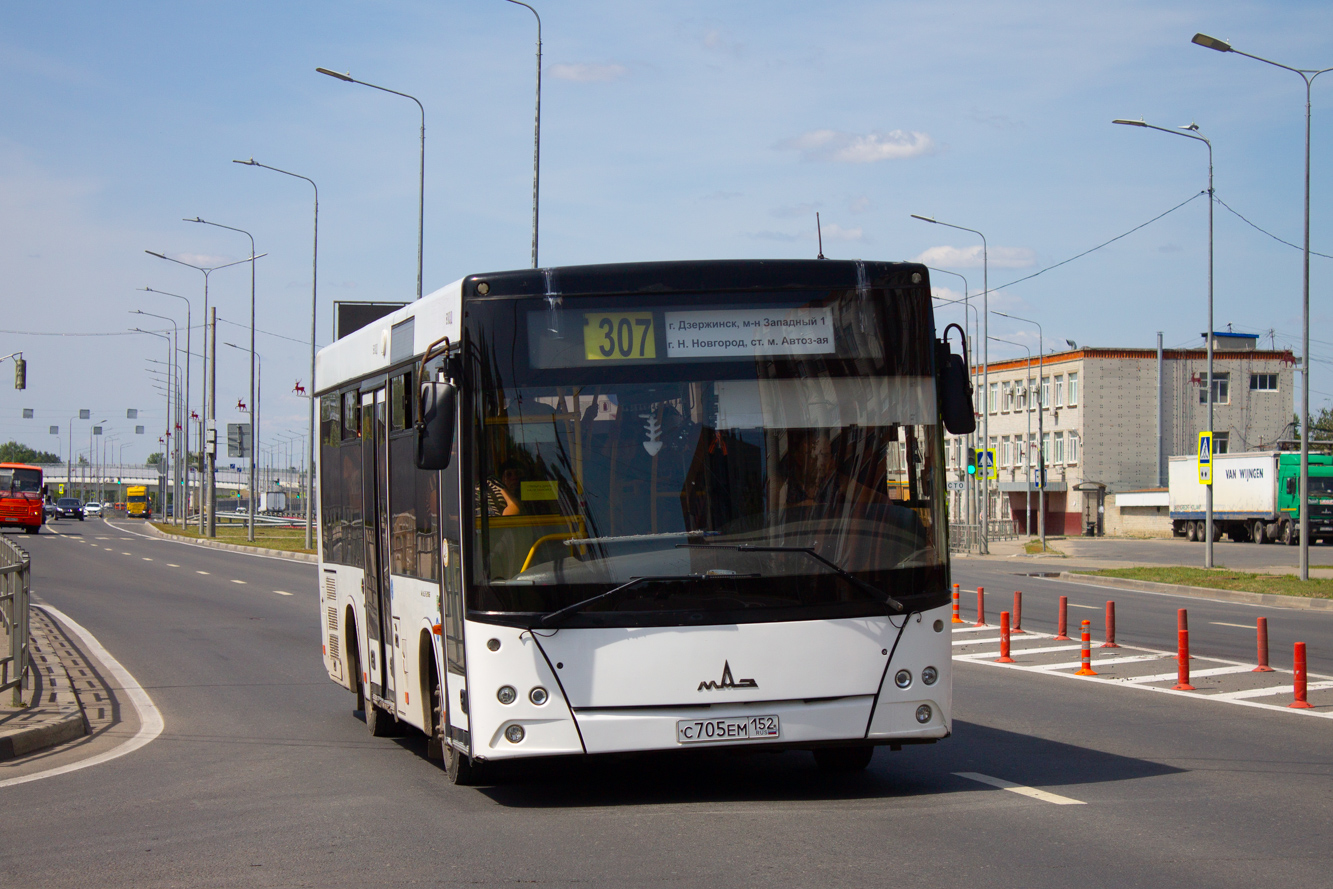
[379,607]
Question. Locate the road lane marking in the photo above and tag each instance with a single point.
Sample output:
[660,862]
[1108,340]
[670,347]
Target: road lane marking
[981,629]
[150,718]
[282,592]
[109,549]
[1101,662]
[975,641]
[238,581]
[146,559]
[1266,692]
[201,572]
[1092,607]
[103,538]
[1043,795]
[1194,674]
[127,554]
[1218,623]
[172,565]
[1046,650]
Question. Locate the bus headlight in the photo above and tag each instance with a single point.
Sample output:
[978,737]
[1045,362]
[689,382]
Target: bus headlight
[902,678]
[923,714]
[514,734]
[506,694]
[929,675]
[538,696]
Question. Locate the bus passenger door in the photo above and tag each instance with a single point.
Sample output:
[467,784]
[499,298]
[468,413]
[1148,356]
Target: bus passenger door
[375,486]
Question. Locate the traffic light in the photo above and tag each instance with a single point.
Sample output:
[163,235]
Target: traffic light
[971,461]
[20,373]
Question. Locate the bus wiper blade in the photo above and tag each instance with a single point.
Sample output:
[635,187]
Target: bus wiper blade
[841,572]
[555,617]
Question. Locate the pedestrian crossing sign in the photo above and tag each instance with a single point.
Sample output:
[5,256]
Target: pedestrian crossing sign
[1205,458]
[988,467]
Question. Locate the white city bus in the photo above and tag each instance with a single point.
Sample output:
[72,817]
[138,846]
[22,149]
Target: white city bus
[665,506]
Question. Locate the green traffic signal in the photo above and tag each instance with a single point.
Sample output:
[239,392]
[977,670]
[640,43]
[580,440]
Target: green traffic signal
[971,461]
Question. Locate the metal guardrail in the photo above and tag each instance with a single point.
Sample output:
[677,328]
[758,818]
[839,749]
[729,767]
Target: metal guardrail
[1002,529]
[967,538]
[15,592]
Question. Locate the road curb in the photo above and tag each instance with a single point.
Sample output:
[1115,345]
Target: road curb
[233,547]
[46,723]
[1198,592]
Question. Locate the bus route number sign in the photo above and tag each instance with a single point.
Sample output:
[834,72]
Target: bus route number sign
[619,336]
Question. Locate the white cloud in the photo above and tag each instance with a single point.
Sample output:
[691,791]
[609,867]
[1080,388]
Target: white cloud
[587,73]
[834,232]
[794,210]
[971,257]
[859,205]
[854,148]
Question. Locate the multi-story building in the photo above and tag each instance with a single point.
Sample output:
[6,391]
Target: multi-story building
[1107,425]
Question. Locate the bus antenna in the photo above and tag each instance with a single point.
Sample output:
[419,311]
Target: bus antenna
[819,233]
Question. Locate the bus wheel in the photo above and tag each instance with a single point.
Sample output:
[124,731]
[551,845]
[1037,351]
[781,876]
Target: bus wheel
[843,759]
[32,529]
[435,740]
[461,768]
[380,723]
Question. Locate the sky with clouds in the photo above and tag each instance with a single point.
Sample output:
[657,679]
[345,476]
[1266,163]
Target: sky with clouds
[670,130]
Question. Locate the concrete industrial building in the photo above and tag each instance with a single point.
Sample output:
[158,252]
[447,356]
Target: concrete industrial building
[1100,428]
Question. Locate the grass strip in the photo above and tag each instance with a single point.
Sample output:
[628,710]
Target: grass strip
[286,539]
[1033,548]
[1227,579]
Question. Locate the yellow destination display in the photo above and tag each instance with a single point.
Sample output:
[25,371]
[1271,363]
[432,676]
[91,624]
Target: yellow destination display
[539,491]
[619,336]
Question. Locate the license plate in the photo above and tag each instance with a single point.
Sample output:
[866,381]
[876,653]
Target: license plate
[732,728]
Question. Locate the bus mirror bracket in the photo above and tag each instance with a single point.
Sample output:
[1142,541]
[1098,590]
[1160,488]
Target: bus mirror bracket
[954,386]
[436,409]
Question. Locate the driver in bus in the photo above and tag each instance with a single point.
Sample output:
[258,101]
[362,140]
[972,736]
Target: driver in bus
[503,493]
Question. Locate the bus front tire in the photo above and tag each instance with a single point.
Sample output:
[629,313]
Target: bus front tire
[461,768]
[843,759]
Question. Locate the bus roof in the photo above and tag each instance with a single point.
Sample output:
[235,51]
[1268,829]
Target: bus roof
[20,466]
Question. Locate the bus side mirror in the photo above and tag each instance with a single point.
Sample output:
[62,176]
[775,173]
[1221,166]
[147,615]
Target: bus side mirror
[435,426]
[955,393]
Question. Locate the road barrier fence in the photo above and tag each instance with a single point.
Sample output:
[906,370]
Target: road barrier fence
[15,593]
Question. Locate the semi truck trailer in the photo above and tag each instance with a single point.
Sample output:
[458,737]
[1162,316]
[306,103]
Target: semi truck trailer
[1256,497]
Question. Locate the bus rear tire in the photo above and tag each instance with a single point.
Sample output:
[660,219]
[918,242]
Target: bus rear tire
[843,759]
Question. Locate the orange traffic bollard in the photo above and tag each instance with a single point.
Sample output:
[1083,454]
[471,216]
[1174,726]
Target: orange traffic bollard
[1062,628]
[1018,611]
[1086,669]
[981,607]
[1298,688]
[1182,652]
[1261,631]
[1004,657]
[956,618]
[1110,626]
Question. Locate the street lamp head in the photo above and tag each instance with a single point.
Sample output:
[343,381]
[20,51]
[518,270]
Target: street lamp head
[924,218]
[195,219]
[250,163]
[1130,123]
[344,77]
[1192,126]
[162,255]
[1211,42]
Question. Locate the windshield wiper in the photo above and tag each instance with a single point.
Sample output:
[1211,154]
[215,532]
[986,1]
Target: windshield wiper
[555,617]
[810,551]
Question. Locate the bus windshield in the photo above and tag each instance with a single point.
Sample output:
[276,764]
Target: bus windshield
[20,481]
[685,453]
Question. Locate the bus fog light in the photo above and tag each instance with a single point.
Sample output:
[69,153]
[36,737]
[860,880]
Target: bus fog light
[514,734]
[538,696]
[929,675]
[493,644]
[923,714]
[506,694]
[902,678]
[939,626]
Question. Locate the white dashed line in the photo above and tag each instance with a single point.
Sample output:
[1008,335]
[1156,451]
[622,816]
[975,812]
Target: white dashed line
[201,572]
[1218,623]
[1043,795]
[1092,607]
[281,593]
[146,559]
[238,581]
[1194,674]
[172,565]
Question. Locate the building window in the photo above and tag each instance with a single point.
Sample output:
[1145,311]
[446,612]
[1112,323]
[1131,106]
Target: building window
[1004,451]
[992,404]
[1031,454]
[1221,388]
[1059,448]
[1073,390]
[1221,442]
[1045,392]
[1060,390]
[1046,448]
[1071,457]
[1006,396]
[1263,382]
[1020,397]
[1032,396]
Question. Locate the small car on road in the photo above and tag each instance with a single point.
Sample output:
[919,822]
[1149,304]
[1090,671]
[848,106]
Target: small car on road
[69,508]
[92,507]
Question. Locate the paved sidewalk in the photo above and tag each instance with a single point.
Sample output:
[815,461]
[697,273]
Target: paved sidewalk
[55,713]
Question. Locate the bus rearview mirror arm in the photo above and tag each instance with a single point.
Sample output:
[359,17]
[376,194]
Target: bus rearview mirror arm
[955,388]
[436,409]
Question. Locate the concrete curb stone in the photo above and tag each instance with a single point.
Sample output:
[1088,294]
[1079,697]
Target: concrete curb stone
[233,547]
[56,713]
[1197,592]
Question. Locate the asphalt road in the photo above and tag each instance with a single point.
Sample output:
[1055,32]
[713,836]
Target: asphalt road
[1179,551]
[263,776]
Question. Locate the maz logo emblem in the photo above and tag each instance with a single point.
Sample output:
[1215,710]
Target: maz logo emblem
[727,681]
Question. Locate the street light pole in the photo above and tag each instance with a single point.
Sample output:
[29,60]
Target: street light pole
[185,445]
[421,198]
[314,306]
[255,416]
[985,368]
[254,438]
[1027,488]
[173,384]
[1208,489]
[968,480]
[1308,75]
[536,133]
[208,499]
